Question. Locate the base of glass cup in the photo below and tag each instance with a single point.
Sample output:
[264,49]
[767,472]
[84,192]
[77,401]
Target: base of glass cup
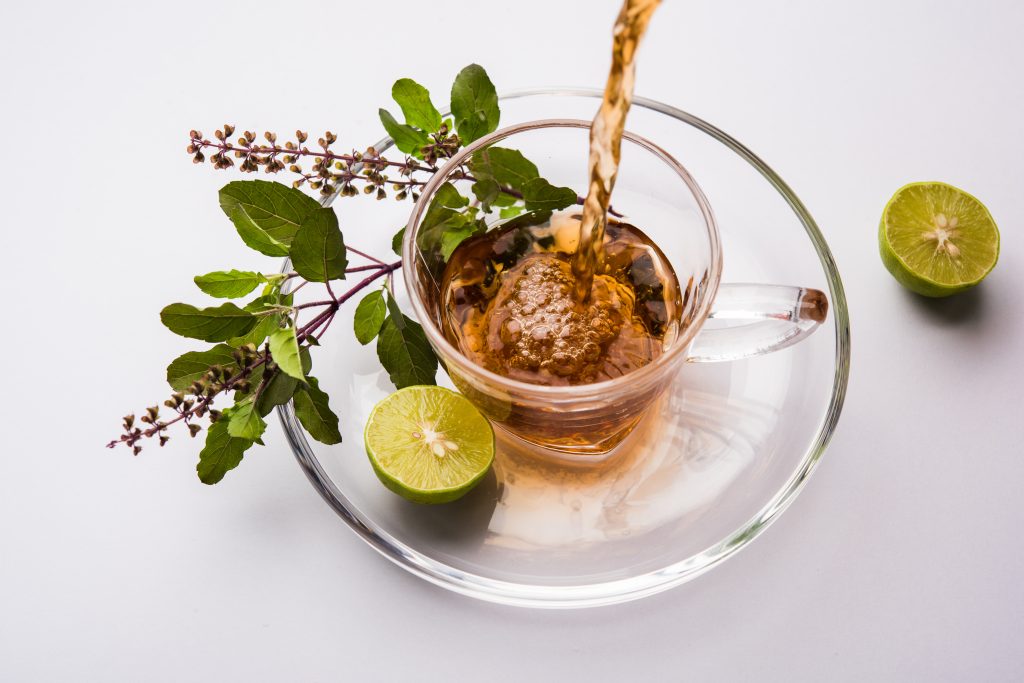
[582,452]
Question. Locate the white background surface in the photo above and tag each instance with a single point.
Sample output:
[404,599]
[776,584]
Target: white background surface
[901,560]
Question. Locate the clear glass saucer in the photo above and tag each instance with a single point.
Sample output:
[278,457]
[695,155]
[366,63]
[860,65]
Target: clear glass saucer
[722,455]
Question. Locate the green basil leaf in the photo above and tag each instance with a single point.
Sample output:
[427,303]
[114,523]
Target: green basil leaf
[405,353]
[318,250]
[279,390]
[449,197]
[190,367]
[265,302]
[254,379]
[439,217]
[505,199]
[268,322]
[394,311]
[505,166]
[407,139]
[285,350]
[313,411]
[442,208]
[229,284]
[474,104]
[245,421]
[486,191]
[221,453]
[396,242]
[454,237]
[528,219]
[369,316]
[416,106]
[266,214]
[209,324]
[540,194]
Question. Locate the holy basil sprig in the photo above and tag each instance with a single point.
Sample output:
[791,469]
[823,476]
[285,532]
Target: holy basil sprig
[263,348]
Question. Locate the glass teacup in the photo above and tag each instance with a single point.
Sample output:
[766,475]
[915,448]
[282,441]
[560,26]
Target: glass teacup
[716,322]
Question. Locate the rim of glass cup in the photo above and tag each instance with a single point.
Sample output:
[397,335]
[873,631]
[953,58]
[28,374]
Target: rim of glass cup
[574,392]
[655,581]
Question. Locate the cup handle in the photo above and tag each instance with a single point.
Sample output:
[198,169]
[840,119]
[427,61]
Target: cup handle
[757,319]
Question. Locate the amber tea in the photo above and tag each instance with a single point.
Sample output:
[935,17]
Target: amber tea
[509,302]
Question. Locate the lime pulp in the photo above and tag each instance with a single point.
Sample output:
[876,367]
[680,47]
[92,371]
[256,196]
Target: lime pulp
[936,239]
[429,444]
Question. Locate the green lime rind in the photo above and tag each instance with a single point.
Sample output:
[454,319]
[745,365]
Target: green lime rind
[914,260]
[429,444]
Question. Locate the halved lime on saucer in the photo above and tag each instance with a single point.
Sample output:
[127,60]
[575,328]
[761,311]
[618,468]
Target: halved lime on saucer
[429,444]
[936,239]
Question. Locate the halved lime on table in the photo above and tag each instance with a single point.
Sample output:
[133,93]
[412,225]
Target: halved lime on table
[429,444]
[936,239]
